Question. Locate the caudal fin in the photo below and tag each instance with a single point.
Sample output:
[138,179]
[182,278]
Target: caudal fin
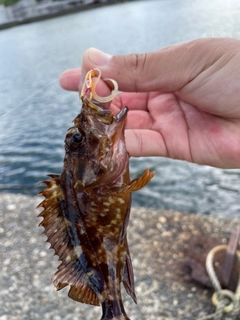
[114,310]
[122,317]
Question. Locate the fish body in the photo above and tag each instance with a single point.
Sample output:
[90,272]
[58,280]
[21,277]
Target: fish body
[86,211]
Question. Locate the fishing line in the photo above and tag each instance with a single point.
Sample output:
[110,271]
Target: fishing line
[34,94]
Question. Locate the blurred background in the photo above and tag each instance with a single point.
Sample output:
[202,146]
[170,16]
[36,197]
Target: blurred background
[35,112]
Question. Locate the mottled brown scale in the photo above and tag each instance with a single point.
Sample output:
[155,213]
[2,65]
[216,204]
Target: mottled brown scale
[86,211]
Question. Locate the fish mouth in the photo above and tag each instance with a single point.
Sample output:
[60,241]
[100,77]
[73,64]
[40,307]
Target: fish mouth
[104,115]
[97,111]
[122,114]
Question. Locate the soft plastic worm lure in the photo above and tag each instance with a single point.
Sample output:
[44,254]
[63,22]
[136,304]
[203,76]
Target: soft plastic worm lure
[89,87]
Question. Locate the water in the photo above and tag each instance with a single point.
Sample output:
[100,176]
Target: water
[35,112]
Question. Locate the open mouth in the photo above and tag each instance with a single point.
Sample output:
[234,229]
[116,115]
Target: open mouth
[105,116]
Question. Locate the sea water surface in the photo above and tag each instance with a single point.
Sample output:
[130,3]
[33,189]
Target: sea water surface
[35,112]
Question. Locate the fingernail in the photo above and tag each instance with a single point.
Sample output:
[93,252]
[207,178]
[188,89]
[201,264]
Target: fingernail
[98,57]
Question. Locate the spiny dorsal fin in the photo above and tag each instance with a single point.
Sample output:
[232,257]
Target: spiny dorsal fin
[56,226]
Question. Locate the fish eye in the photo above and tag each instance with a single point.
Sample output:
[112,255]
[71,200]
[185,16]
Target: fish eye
[74,139]
[77,138]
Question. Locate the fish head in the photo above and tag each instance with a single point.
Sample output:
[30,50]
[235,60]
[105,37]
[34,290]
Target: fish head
[95,145]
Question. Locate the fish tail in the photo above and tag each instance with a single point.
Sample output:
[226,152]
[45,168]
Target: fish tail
[122,317]
[113,310]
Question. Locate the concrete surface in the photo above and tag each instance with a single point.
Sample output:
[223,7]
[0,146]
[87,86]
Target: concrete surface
[158,243]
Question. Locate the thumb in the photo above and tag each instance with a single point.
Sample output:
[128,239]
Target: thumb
[167,69]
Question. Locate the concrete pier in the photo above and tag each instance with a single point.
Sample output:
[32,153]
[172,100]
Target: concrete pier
[158,243]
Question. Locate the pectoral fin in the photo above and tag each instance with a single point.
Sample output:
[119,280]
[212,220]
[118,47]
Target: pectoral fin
[138,183]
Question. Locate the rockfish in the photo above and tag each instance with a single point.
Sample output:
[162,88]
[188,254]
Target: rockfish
[86,211]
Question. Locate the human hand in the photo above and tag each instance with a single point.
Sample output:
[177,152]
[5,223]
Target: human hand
[184,100]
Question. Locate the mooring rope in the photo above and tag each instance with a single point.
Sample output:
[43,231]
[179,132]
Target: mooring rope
[227,303]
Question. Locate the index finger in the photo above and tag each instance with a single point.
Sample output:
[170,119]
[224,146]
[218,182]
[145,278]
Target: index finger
[71,79]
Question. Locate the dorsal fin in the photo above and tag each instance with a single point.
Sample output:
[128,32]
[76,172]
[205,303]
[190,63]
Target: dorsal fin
[70,271]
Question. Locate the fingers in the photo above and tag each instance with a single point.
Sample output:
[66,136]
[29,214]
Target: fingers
[137,142]
[70,79]
[138,120]
[168,69]
[135,101]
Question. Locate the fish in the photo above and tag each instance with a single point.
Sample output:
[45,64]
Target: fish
[87,207]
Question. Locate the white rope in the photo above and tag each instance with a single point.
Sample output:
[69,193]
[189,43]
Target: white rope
[227,303]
